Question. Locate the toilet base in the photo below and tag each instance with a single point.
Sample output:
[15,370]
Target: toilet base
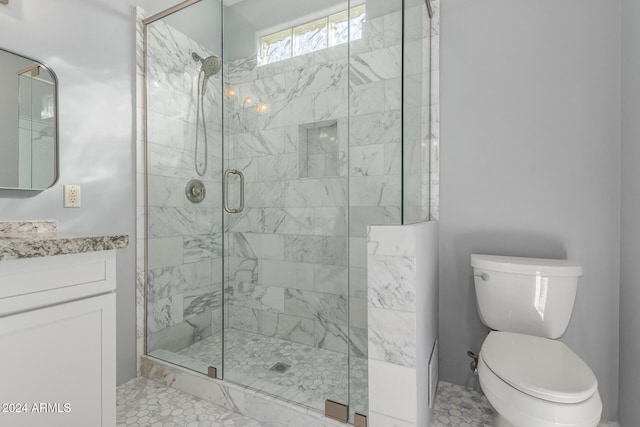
[501,422]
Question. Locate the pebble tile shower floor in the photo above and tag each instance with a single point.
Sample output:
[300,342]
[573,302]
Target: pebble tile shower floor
[252,357]
[145,403]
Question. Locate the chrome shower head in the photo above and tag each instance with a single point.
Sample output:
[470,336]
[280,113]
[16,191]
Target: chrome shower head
[210,66]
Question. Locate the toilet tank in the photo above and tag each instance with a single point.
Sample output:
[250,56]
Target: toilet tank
[532,296]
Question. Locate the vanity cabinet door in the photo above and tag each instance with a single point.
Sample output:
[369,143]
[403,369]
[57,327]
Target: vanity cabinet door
[57,365]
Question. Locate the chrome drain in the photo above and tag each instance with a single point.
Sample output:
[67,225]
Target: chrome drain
[280,368]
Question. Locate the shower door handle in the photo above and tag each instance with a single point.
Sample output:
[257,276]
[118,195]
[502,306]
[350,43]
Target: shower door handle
[225,190]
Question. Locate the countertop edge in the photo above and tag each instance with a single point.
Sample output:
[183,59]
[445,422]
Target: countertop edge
[39,245]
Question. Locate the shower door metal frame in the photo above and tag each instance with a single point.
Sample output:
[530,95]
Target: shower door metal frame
[167,12]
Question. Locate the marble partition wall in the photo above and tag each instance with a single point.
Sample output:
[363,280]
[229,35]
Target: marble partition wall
[403,323]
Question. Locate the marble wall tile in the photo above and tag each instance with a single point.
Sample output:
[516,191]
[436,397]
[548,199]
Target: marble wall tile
[331,279]
[275,221]
[358,313]
[200,247]
[314,305]
[165,191]
[264,143]
[331,221]
[202,301]
[164,252]
[392,29]
[321,78]
[289,112]
[241,70]
[385,380]
[263,194]
[358,252]
[382,64]
[179,279]
[328,250]
[286,274]
[383,190]
[392,336]
[182,221]
[357,282]
[168,131]
[333,104]
[366,160]
[320,192]
[366,98]
[331,336]
[390,240]
[392,282]
[265,298]
[164,312]
[267,89]
[278,167]
[359,346]
[377,128]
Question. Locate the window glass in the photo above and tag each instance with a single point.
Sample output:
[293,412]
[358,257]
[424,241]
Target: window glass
[275,47]
[310,37]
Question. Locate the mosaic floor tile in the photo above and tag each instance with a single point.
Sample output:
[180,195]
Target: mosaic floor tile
[143,402]
[314,374]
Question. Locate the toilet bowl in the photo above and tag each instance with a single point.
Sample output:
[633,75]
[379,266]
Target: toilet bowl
[537,382]
[530,378]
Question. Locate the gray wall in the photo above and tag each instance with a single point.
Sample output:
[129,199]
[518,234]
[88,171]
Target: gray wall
[95,63]
[530,162]
[630,242]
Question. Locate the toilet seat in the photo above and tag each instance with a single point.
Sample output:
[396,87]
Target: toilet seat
[519,409]
[539,367]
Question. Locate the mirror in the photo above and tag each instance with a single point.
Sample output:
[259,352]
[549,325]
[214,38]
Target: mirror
[28,123]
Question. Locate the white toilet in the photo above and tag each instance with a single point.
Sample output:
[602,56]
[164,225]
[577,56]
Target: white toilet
[529,378]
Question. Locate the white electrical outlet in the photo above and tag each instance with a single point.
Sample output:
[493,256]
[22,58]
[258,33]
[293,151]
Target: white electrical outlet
[71,196]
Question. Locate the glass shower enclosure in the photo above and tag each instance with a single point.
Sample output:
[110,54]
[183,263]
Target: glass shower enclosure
[276,132]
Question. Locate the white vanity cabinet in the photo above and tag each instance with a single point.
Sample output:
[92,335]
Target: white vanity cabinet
[57,341]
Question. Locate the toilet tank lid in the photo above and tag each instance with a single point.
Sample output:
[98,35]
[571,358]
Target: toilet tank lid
[531,266]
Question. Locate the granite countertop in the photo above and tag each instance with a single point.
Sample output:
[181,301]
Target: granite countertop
[34,239]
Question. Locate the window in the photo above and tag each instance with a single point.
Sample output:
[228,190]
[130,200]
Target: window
[309,37]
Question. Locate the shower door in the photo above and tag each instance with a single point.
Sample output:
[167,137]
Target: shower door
[286,266]
[184,262]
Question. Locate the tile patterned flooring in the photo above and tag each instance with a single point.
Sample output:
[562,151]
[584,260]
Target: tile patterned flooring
[145,403]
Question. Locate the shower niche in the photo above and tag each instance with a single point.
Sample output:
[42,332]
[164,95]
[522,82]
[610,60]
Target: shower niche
[320,153]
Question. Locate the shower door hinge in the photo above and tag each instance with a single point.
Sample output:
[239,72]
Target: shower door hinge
[212,372]
[359,420]
[336,411]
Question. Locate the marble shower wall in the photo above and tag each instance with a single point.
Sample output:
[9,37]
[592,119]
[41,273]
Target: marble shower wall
[184,238]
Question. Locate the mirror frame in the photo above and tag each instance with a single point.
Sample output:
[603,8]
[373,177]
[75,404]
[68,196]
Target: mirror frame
[56,151]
